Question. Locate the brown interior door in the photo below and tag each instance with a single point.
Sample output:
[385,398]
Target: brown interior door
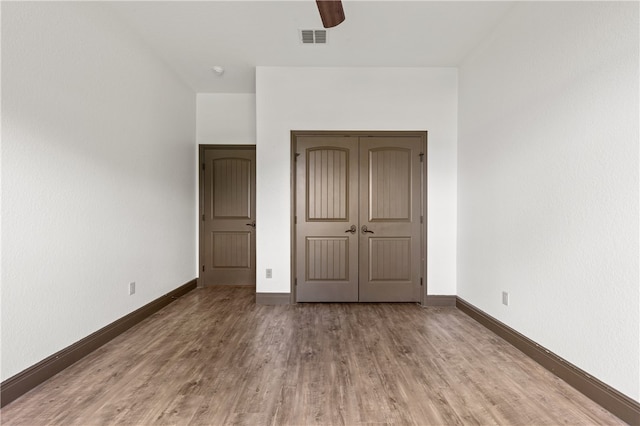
[359,218]
[390,216]
[327,219]
[228,217]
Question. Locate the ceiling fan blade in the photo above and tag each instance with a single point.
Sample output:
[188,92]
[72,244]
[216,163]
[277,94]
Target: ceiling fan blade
[331,12]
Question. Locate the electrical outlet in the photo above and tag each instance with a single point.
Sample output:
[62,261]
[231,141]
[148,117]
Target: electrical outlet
[132,288]
[505,298]
[269,273]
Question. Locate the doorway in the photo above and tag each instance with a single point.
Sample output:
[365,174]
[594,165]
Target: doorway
[227,215]
[359,216]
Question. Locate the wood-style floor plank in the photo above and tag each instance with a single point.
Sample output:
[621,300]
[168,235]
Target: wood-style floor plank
[214,357]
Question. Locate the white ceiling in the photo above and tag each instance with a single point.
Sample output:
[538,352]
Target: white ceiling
[193,36]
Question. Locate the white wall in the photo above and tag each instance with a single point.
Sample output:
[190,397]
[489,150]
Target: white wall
[226,118]
[548,182]
[98,142]
[354,99]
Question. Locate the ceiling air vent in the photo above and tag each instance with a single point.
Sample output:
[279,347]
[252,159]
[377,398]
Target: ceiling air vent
[313,36]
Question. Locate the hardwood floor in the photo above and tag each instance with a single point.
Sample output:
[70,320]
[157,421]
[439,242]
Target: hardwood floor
[213,357]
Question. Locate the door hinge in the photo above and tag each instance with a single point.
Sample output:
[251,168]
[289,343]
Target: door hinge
[203,166]
[420,281]
[203,218]
[421,155]
[295,220]
[202,268]
[295,282]
[421,219]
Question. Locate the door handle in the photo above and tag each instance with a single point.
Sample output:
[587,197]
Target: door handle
[252,224]
[365,230]
[353,229]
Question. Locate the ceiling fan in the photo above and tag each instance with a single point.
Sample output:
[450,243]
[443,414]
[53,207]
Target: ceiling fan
[331,12]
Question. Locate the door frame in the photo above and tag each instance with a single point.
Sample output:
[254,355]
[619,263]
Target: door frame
[201,149]
[423,195]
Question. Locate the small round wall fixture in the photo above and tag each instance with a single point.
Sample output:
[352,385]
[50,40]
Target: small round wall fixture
[218,70]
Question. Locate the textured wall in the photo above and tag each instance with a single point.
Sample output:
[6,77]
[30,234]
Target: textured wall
[354,99]
[548,182]
[98,175]
[226,118]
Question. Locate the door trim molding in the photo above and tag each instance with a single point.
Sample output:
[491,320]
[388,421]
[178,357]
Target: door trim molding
[423,134]
[292,219]
[201,149]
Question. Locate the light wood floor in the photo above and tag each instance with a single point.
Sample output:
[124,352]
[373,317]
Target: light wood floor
[214,357]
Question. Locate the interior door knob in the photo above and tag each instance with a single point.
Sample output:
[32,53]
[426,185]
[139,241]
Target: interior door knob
[365,230]
[252,224]
[353,229]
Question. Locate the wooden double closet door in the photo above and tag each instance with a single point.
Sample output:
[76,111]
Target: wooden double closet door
[359,216]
